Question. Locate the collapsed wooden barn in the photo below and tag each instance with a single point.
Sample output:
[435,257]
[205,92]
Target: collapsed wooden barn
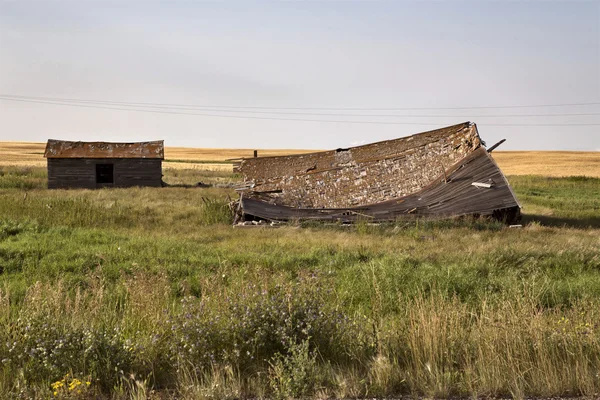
[92,165]
[441,173]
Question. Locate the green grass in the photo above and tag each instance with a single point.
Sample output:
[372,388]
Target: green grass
[560,201]
[151,289]
[23,178]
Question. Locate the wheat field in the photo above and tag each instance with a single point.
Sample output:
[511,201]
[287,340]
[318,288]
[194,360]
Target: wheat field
[549,163]
[28,154]
[544,163]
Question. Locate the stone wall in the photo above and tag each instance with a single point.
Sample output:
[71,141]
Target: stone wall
[361,175]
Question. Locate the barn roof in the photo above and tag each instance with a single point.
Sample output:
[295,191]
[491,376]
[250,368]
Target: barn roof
[384,148]
[443,172]
[68,149]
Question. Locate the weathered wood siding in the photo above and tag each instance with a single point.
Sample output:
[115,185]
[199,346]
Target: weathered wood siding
[361,175]
[66,173]
[448,195]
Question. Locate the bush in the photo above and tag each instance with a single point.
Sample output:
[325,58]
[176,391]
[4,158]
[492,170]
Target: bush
[294,375]
[46,350]
[250,328]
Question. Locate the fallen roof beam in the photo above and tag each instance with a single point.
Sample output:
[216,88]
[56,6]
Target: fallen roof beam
[496,145]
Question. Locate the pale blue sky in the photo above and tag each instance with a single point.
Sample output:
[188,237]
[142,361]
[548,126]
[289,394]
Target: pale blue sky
[362,54]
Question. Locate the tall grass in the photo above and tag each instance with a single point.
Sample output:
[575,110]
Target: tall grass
[22,178]
[571,201]
[435,346]
[142,291]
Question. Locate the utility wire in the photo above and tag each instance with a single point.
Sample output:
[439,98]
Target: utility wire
[94,106]
[143,104]
[196,108]
[212,115]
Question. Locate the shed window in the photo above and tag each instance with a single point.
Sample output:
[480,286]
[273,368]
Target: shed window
[104,173]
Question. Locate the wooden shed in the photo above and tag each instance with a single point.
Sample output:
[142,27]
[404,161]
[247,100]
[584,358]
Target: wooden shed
[93,165]
[441,173]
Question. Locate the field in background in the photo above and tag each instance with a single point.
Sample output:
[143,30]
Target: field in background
[545,163]
[22,154]
[549,163]
[32,154]
[149,293]
[188,153]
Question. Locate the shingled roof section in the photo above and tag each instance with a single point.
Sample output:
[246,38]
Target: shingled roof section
[441,173]
[360,175]
[67,149]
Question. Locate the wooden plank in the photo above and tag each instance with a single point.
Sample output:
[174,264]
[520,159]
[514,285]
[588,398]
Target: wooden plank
[482,185]
[457,197]
[81,173]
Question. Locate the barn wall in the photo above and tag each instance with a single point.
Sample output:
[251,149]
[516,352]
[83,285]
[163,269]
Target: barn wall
[138,172]
[361,175]
[81,172]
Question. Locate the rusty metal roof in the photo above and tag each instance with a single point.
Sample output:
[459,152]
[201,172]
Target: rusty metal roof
[67,149]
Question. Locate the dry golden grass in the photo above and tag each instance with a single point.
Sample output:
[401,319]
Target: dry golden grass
[549,163]
[219,155]
[27,154]
[22,154]
[198,166]
[545,163]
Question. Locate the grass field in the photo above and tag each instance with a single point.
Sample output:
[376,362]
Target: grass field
[150,293]
[549,163]
[28,154]
[544,163]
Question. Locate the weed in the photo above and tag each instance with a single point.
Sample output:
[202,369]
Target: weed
[216,211]
[294,375]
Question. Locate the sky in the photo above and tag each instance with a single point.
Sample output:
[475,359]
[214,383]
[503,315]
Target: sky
[258,74]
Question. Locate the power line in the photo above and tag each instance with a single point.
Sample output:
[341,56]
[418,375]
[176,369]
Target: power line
[174,107]
[143,104]
[213,115]
[93,106]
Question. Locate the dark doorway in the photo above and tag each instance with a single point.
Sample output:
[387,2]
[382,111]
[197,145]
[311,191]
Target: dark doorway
[104,173]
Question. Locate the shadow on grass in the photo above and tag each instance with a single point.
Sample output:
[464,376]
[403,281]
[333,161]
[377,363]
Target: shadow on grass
[549,220]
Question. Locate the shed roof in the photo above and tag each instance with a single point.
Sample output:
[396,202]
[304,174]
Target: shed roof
[382,148]
[448,143]
[68,149]
[445,172]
